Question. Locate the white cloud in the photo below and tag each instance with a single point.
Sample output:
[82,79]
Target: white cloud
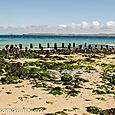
[96,24]
[63,26]
[110,24]
[85,25]
[75,25]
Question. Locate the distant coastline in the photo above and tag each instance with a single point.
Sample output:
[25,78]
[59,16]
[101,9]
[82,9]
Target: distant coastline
[53,34]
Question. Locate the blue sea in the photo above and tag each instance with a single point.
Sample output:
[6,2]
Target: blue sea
[25,40]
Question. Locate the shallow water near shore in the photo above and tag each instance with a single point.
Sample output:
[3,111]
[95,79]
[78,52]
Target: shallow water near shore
[26,40]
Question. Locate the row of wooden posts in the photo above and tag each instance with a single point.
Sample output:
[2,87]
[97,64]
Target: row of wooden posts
[63,46]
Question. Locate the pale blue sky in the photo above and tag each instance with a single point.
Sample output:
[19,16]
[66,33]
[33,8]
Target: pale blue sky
[54,12]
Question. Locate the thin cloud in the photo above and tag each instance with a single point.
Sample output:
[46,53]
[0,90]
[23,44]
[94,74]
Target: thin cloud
[73,28]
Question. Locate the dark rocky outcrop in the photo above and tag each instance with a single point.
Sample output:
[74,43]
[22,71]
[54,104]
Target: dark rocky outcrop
[108,112]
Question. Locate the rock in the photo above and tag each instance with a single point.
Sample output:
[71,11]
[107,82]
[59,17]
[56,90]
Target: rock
[65,71]
[6,60]
[56,74]
[73,71]
[108,112]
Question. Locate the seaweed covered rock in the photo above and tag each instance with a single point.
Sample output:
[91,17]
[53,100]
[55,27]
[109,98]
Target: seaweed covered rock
[99,92]
[29,54]
[60,113]
[66,78]
[109,78]
[15,69]
[93,109]
[31,63]
[88,59]
[79,80]
[90,69]
[10,80]
[56,91]
[73,93]
[57,113]
[108,112]
[108,67]
[51,65]
[55,74]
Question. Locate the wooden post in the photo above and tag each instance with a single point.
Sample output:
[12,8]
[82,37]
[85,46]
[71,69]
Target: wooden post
[20,46]
[69,46]
[42,48]
[55,46]
[101,47]
[26,49]
[85,44]
[96,46]
[62,45]
[73,45]
[107,46]
[48,45]
[89,46]
[40,45]
[80,47]
[31,45]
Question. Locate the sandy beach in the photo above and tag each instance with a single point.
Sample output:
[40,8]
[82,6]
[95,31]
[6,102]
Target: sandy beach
[23,95]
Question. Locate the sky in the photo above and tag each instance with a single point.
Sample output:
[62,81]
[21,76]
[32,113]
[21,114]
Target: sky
[57,16]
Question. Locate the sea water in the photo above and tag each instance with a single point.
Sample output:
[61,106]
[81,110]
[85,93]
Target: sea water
[35,40]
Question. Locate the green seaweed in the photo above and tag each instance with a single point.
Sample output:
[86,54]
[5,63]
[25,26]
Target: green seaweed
[101,98]
[10,80]
[56,91]
[93,109]
[98,92]
[66,78]
[39,109]
[73,93]
[60,113]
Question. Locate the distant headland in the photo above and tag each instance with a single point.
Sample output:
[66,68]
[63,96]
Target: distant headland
[54,34]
